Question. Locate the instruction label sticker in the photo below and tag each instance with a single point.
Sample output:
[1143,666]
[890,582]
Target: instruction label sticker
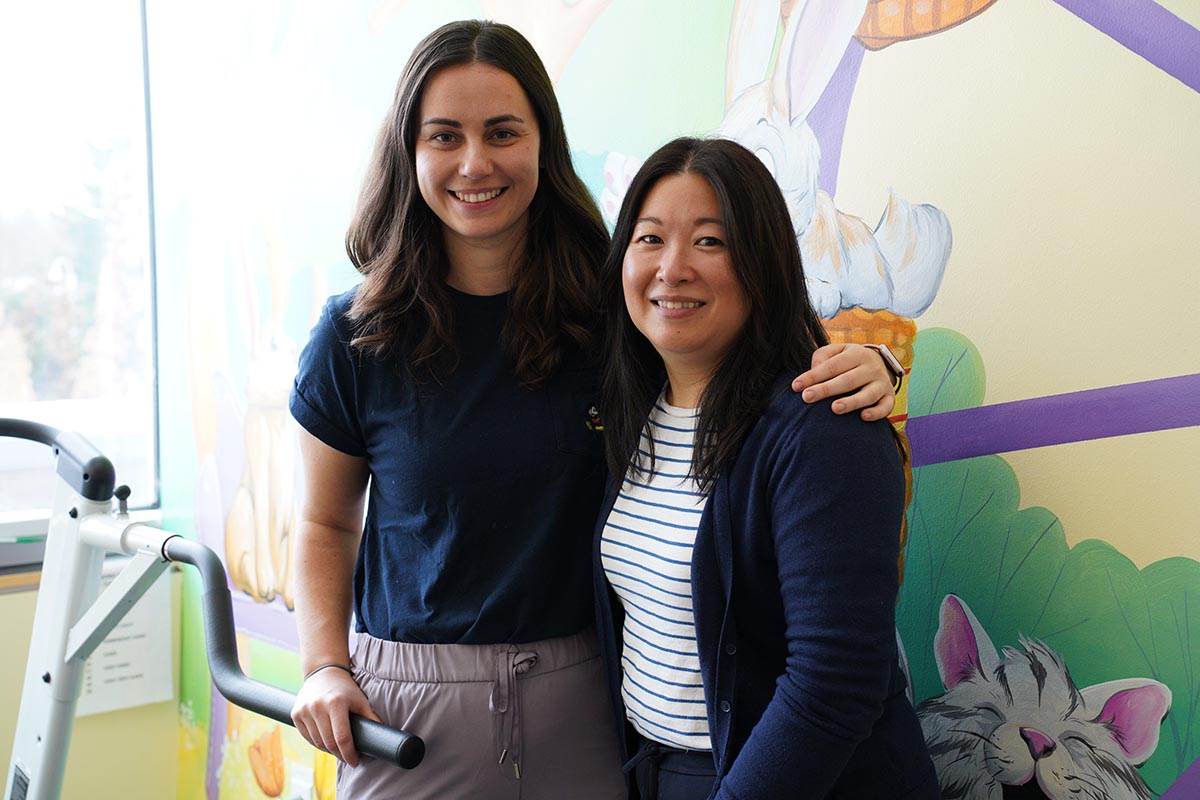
[133,666]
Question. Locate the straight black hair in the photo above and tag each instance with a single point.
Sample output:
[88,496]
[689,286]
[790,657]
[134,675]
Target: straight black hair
[781,333]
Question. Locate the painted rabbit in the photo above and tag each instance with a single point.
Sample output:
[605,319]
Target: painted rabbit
[259,526]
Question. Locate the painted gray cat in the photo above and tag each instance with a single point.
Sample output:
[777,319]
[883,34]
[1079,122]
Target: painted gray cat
[1015,725]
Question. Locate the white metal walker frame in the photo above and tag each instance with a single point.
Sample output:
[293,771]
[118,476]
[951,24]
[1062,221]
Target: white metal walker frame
[73,617]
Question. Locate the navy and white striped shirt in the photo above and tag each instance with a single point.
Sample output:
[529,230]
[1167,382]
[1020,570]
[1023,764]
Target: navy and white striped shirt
[646,551]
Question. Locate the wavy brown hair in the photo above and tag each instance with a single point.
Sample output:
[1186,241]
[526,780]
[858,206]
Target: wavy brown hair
[402,308]
[781,333]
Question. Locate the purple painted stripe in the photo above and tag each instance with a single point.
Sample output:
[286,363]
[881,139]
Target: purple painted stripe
[267,622]
[218,721]
[1186,786]
[1149,30]
[828,117]
[1075,417]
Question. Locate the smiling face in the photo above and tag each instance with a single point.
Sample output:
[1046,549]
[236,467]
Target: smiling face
[477,146]
[680,287]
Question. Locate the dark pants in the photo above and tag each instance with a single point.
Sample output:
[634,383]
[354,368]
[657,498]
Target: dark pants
[665,773]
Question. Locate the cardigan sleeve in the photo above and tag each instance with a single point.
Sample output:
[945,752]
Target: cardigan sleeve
[836,494]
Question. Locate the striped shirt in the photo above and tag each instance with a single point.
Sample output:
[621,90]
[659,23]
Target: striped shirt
[646,552]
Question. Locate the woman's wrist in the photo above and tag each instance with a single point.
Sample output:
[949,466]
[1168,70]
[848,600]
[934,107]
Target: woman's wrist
[891,362]
[333,665]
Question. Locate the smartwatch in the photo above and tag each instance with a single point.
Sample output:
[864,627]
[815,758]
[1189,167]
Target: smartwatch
[893,364]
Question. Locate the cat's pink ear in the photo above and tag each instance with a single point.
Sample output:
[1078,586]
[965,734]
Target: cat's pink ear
[1133,710]
[962,647]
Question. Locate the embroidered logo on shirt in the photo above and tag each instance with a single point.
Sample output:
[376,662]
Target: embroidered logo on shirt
[593,422]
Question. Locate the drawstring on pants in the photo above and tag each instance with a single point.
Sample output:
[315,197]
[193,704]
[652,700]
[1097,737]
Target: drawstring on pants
[652,751]
[505,703]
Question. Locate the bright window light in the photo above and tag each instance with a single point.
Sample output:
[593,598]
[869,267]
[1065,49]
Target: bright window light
[76,284]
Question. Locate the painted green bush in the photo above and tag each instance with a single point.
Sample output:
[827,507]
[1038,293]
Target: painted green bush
[969,536]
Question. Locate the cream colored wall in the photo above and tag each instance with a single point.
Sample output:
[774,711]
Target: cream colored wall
[123,755]
[1069,170]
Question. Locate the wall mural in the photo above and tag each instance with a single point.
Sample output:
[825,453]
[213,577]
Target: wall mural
[981,569]
[1044,663]
[1008,719]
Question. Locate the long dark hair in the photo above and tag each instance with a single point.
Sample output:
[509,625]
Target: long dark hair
[780,334]
[402,308]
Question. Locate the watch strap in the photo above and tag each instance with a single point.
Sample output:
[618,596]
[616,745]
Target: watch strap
[893,364]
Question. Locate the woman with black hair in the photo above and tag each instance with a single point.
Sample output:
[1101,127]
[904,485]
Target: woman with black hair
[453,394]
[746,556]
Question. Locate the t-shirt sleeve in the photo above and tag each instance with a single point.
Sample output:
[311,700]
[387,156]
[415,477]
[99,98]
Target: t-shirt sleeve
[324,395]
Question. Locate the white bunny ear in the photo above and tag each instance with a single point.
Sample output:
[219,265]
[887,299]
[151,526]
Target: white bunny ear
[962,647]
[751,41]
[814,41]
[1133,710]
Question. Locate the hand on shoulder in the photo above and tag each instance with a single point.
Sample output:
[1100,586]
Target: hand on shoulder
[857,373]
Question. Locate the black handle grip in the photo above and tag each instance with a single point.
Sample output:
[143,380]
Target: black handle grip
[372,738]
[80,464]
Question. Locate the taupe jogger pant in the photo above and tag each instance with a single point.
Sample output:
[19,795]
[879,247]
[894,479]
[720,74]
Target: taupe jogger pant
[500,722]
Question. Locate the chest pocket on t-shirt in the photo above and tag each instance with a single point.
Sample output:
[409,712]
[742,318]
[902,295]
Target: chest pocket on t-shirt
[578,427]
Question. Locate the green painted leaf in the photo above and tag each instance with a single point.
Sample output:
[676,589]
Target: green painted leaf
[1104,616]
[947,373]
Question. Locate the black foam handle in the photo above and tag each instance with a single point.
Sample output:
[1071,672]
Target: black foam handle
[80,464]
[400,748]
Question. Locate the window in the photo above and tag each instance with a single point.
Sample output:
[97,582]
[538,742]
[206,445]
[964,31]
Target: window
[76,279]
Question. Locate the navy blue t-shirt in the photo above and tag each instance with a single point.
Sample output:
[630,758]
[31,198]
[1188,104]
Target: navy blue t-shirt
[483,493]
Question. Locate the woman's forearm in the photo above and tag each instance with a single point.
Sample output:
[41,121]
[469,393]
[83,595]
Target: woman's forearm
[327,538]
[324,579]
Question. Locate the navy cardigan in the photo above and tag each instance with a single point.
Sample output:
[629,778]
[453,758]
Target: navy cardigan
[794,582]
